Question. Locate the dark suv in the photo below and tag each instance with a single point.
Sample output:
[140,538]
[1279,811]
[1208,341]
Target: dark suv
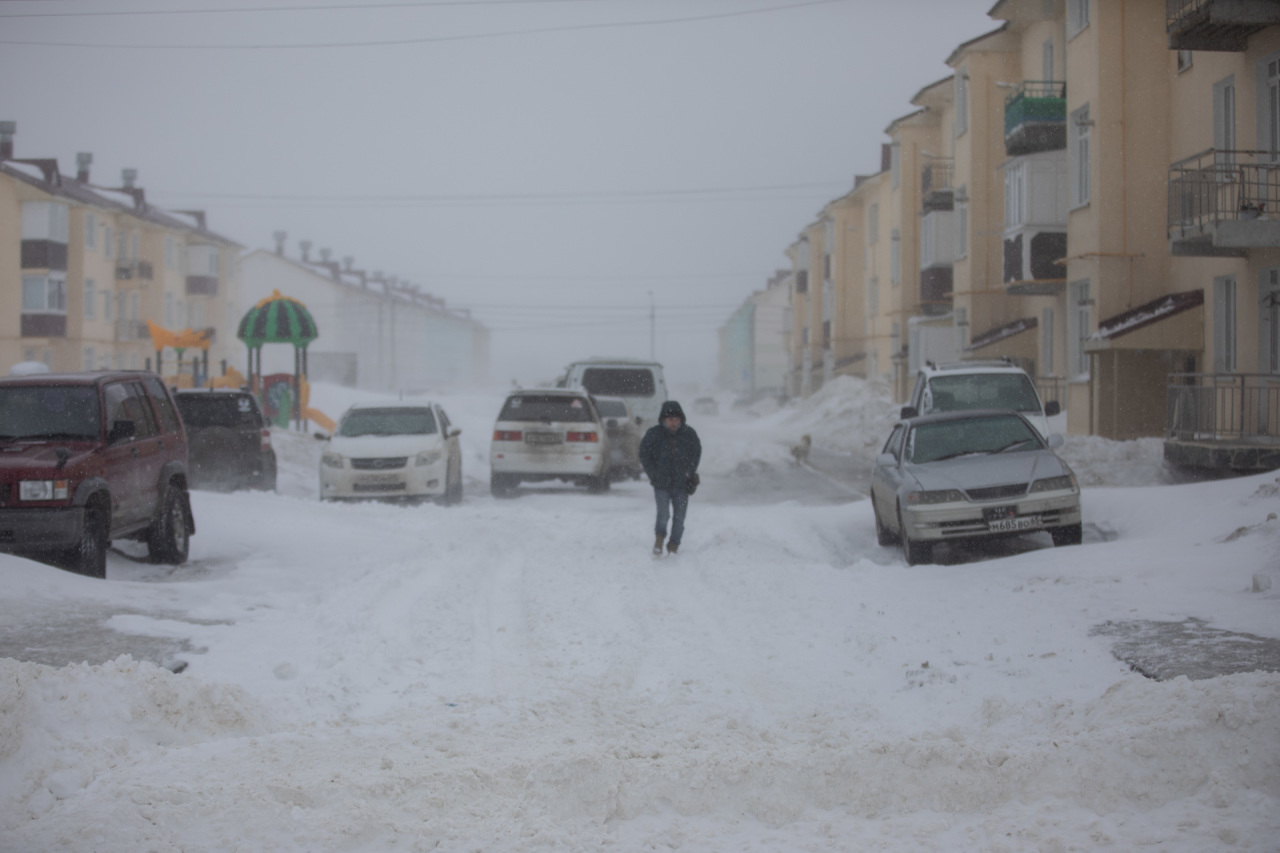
[228,440]
[90,457]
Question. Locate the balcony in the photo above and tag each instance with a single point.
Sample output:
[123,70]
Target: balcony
[131,330]
[1035,118]
[202,285]
[1222,25]
[1224,203]
[1225,422]
[936,189]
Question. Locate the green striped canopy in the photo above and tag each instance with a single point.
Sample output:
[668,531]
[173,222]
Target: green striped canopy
[277,320]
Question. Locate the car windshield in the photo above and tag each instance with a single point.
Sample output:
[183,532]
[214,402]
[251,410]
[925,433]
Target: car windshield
[611,408]
[619,381]
[49,412]
[390,421]
[933,442]
[1012,391]
[218,410]
[546,407]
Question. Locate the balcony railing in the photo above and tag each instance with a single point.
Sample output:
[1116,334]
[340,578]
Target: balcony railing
[936,189]
[1223,407]
[1229,201]
[1223,25]
[1035,117]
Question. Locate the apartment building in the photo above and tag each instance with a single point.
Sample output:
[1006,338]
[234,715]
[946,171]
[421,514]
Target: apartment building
[754,356]
[1094,194]
[91,265]
[376,331]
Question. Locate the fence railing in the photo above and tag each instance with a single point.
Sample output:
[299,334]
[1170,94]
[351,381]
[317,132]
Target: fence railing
[1052,388]
[1223,407]
[1217,185]
[1176,9]
[1035,101]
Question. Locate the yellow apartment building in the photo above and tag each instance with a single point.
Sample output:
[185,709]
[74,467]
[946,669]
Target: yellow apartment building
[92,265]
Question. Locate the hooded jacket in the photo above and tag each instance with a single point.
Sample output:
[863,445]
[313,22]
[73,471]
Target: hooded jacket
[668,458]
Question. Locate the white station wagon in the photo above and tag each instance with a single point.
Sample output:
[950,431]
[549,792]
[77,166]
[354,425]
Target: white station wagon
[393,451]
[549,434]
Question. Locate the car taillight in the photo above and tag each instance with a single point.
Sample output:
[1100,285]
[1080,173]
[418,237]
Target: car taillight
[582,436]
[508,435]
[266,439]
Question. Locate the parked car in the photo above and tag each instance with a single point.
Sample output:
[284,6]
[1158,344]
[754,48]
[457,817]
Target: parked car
[706,406]
[967,385]
[397,451]
[86,458]
[623,428]
[548,434]
[971,474]
[640,383]
[229,441]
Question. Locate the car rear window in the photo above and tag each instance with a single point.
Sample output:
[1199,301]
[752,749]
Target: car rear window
[65,412]
[218,410]
[390,421]
[619,381]
[611,408]
[1012,391]
[546,407]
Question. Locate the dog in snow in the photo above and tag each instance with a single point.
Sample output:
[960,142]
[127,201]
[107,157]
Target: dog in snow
[801,451]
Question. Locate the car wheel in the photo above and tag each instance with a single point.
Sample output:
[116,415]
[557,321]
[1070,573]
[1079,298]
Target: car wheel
[884,536]
[502,485]
[598,485]
[915,551]
[89,556]
[167,538]
[1072,534]
[267,479]
[452,487]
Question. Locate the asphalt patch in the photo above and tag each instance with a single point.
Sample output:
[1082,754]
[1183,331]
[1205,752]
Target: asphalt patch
[1165,650]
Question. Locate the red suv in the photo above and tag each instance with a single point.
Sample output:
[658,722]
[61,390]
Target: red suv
[90,457]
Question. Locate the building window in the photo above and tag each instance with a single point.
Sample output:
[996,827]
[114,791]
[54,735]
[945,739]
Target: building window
[108,241]
[1269,322]
[962,102]
[44,294]
[133,307]
[895,163]
[895,257]
[1224,119]
[1046,342]
[90,299]
[45,220]
[873,296]
[1269,100]
[962,225]
[1079,319]
[170,252]
[1015,194]
[1184,60]
[873,224]
[107,299]
[1080,127]
[90,231]
[1224,324]
[1077,16]
[962,327]
[1046,60]
[168,310]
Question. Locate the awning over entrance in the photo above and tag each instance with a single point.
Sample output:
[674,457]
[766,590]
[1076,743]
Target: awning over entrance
[1002,334]
[1172,322]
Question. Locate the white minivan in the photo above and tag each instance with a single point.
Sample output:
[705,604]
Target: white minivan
[640,383]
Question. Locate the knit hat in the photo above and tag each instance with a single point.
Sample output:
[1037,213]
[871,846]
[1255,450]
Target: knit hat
[671,409]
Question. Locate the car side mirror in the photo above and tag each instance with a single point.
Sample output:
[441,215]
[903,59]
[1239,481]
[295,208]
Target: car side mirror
[639,420]
[612,423]
[120,430]
[1055,441]
[454,431]
[1051,408]
[908,412]
[886,460]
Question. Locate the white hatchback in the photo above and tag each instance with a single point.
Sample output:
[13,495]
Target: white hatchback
[548,434]
[392,451]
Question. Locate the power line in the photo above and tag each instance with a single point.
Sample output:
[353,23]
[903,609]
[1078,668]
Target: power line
[434,39]
[337,7]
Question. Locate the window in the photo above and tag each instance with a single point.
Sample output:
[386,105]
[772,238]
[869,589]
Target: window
[1015,194]
[828,245]
[895,257]
[1077,16]
[90,231]
[168,310]
[45,220]
[962,327]
[108,241]
[1079,318]
[962,102]
[1269,322]
[1079,155]
[1046,342]
[873,296]
[873,224]
[1046,60]
[107,299]
[44,294]
[170,252]
[1269,105]
[962,223]
[1224,119]
[1224,324]
[90,299]
[1184,60]
[133,307]
[895,162]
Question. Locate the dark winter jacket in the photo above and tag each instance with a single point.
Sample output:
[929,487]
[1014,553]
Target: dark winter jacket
[668,458]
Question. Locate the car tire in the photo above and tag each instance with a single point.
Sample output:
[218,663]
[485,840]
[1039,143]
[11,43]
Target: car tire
[266,481]
[598,485]
[884,536]
[502,485]
[89,556]
[914,551]
[1071,534]
[167,539]
[452,488]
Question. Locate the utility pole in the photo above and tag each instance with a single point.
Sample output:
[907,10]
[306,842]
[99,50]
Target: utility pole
[651,327]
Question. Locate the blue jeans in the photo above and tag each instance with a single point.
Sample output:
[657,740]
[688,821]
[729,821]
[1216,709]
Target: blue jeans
[666,501]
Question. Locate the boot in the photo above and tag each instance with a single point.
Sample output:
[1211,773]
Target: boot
[657,545]
[672,547]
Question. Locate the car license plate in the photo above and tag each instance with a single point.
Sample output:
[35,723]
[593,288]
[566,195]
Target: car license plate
[543,438]
[1010,525]
[379,479]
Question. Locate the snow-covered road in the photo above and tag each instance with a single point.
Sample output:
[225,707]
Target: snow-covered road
[521,674]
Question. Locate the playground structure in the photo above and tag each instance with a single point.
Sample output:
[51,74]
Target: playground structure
[280,319]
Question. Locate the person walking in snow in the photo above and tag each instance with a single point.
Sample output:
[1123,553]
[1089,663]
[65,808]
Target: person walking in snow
[670,452]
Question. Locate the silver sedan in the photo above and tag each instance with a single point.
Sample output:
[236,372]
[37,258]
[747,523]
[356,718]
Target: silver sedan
[971,474]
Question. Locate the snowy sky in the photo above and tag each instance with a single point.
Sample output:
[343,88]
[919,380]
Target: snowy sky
[555,165]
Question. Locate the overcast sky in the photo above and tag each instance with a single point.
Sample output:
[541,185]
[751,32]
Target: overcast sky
[556,166]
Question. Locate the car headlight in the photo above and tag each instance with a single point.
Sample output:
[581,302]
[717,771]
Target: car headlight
[1055,484]
[43,490]
[939,496]
[427,457]
[331,459]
